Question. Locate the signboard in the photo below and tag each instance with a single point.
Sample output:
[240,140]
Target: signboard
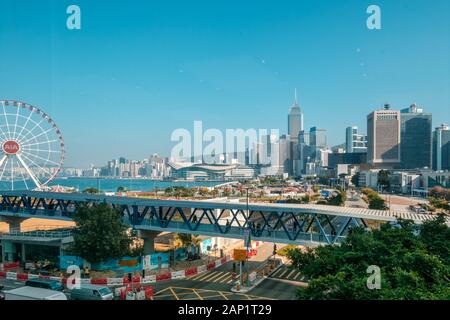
[240,254]
[146,263]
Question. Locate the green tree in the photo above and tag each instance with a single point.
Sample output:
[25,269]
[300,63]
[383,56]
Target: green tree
[377,203]
[383,179]
[91,191]
[100,234]
[339,199]
[355,179]
[413,263]
[121,189]
[373,198]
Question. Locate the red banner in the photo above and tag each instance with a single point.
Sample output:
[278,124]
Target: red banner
[22,276]
[103,282]
[11,265]
[165,276]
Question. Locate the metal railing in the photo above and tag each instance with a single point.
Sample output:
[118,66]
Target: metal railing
[55,233]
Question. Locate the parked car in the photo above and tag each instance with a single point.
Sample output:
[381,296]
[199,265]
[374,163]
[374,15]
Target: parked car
[91,292]
[30,293]
[45,284]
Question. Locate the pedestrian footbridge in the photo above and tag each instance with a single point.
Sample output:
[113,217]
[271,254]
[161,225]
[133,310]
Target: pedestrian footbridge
[281,223]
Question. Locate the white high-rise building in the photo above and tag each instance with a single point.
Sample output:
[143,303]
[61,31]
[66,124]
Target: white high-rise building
[354,141]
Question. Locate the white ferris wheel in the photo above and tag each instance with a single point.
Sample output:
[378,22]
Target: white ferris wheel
[32,147]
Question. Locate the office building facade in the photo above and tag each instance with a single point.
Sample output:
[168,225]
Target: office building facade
[441,148]
[354,141]
[295,120]
[415,138]
[383,137]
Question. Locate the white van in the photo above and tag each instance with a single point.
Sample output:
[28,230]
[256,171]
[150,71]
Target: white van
[31,293]
[91,292]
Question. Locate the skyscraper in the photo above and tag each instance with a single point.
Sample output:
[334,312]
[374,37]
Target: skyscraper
[295,120]
[303,151]
[416,138]
[383,137]
[318,138]
[354,141]
[441,148]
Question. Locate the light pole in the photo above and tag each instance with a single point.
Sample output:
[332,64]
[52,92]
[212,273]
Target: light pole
[249,238]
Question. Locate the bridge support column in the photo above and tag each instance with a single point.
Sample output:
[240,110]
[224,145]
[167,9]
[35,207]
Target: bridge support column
[23,256]
[3,253]
[149,240]
[13,222]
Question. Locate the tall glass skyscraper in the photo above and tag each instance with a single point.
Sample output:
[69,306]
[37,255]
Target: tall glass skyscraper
[295,120]
[416,138]
[441,148]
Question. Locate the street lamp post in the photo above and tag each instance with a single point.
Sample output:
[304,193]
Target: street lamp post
[249,237]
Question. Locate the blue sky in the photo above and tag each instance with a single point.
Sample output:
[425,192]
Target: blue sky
[137,70]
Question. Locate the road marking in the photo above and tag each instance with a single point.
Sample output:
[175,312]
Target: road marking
[276,272]
[202,276]
[297,275]
[216,276]
[161,291]
[225,297]
[197,276]
[174,294]
[281,275]
[209,277]
[198,295]
[225,279]
[290,274]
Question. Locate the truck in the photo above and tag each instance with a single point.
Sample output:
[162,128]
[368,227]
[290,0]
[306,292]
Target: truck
[31,293]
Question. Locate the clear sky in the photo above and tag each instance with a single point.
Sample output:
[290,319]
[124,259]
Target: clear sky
[137,70]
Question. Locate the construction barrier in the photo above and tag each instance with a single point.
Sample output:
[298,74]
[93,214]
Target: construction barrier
[201,269]
[149,279]
[164,276]
[102,282]
[191,272]
[10,266]
[178,275]
[22,276]
[113,282]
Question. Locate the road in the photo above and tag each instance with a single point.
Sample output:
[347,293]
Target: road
[216,284]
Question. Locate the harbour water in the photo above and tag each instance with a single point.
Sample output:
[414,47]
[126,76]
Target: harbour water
[111,185]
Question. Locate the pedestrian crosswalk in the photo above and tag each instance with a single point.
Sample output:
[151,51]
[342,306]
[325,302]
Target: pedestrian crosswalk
[224,277]
[288,273]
